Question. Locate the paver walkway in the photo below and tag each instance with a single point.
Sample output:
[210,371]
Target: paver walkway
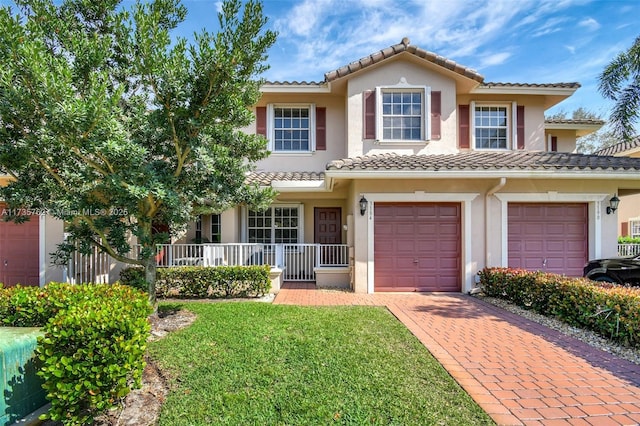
[519,372]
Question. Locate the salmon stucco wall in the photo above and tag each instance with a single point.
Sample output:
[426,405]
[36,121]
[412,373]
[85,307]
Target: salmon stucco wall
[400,73]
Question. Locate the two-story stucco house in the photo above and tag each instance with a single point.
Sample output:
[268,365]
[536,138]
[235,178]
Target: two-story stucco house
[405,171]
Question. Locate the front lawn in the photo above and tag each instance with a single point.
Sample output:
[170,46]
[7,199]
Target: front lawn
[258,364]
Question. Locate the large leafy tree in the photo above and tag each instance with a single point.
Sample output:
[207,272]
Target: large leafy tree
[114,125]
[620,81]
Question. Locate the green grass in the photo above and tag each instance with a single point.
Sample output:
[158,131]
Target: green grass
[261,364]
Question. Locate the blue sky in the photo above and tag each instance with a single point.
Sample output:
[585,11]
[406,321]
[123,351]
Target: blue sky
[515,41]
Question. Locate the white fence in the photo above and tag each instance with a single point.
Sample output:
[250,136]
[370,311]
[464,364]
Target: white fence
[628,250]
[85,268]
[298,261]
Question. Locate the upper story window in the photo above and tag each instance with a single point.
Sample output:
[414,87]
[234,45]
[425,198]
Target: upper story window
[491,127]
[291,129]
[401,112]
[402,115]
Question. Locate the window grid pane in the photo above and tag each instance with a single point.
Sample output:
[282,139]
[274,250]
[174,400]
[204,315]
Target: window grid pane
[292,129]
[215,228]
[276,225]
[402,115]
[635,228]
[198,235]
[491,127]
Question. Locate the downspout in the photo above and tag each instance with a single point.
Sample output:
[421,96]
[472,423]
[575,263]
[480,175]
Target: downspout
[487,222]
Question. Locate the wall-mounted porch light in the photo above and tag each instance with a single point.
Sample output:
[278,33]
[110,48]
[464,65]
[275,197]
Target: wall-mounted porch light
[363,205]
[613,204]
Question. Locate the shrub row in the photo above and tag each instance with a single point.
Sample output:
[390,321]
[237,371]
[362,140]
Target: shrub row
[608,309]
[628,240]
[204,282]
[93,348]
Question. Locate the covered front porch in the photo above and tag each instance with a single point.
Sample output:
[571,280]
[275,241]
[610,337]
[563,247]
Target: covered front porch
[327,265]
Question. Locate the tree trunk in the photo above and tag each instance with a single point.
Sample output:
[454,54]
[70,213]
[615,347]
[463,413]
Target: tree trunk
[150,278]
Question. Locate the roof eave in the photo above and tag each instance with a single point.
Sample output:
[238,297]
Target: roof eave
[580,129]
[295,88]
[545,173]
[524,90]
[300,185]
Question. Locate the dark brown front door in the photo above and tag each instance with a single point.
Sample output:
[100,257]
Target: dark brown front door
[328,225]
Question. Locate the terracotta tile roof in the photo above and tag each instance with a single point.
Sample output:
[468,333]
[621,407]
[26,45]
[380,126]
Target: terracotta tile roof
[265,178]
[571,121]
[620,147]
[295,83]
[541,85]
[403,46]
[489,161]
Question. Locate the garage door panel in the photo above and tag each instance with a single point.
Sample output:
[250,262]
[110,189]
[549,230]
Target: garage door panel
[555,228]
[557,246]
[549,237]
[19,252]
[426,228]
[404,229]
[425,210]
[426,258]
[533,245]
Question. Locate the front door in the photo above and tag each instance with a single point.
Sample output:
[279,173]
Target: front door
[328,225]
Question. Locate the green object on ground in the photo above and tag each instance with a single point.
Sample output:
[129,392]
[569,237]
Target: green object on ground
[22,391]
[255,363]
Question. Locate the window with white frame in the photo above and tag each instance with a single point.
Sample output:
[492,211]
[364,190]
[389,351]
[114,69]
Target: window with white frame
[634,228]
[491,125]
[291,128]
[402,112]
[275,225]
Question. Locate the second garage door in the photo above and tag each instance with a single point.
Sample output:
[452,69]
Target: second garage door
[417,247]
[19,252]
[548,237]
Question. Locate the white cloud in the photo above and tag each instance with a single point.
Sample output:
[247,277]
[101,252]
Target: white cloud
[494,59]
[590,24]
[571,49]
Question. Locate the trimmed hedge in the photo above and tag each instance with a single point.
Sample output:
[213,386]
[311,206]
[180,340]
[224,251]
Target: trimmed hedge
[94,343]
[608,309]
[204,282]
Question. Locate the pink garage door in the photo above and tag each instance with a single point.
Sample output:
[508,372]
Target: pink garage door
[19,252]
[417,247]
[548,237]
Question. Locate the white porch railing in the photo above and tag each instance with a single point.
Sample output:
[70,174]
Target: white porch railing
[88,268]
[628,250]
[298,261]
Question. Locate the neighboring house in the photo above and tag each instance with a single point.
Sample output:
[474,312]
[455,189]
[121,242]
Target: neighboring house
[405,171]
[629,210]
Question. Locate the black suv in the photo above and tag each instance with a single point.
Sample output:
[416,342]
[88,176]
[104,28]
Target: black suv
[619,270]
